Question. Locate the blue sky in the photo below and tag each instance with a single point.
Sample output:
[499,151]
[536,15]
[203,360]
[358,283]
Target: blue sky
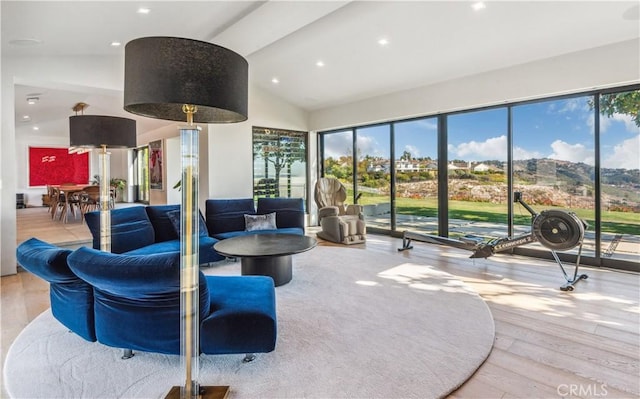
[560,129]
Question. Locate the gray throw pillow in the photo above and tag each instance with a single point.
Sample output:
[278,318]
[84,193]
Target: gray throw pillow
[174,217]
[260,222]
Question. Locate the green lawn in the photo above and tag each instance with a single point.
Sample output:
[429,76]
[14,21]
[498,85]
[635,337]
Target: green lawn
[612,222]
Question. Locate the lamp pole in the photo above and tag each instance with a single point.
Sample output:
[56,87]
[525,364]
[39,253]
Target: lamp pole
[189,282]
[105,215]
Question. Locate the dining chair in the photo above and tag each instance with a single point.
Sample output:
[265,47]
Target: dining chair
[89,199]
[58,203]
[51,200]
[70,199]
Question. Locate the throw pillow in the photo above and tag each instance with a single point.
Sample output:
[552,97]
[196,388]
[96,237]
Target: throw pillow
[174,217]
[260,222]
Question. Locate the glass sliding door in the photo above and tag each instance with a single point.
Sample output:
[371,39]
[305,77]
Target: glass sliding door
[620,175]
[416,175]
[338,158]
[373,175]
[476,170]
[553,161]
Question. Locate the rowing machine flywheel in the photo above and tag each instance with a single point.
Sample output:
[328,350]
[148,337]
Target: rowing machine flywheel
[558,230]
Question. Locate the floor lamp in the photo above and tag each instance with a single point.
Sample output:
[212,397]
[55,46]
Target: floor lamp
[91,131]
[198,82]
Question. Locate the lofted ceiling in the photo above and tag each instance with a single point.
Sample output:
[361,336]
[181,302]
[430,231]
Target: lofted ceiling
[427,42]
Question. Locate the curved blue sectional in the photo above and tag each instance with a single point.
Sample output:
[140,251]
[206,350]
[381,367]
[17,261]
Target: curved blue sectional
[133,301]
[129,298]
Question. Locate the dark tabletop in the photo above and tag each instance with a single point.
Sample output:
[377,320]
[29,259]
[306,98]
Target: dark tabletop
[255,245]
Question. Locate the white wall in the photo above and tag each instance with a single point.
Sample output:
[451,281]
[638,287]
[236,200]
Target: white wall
[601,67]
[230,146]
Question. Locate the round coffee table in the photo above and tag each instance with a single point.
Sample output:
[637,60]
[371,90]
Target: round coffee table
[266,254]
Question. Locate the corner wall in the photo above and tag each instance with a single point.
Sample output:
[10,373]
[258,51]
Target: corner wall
[85,71]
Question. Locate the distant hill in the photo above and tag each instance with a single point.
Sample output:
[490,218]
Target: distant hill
[542,182]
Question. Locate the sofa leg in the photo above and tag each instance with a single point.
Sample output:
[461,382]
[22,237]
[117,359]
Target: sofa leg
[127,354]
[249,357]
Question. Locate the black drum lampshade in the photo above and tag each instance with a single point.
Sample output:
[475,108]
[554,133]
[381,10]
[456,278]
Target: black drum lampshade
[97,131]
[164,73]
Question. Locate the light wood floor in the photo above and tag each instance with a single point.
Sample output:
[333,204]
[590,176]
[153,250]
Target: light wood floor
[548,344]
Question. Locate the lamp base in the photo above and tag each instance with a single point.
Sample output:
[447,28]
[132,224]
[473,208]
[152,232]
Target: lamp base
[206,392]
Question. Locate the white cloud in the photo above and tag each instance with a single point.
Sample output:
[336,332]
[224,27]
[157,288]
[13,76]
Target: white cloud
[520,153]
[564,151]
[367,145]
[413,150]
[429,124]
[337,145]
[572,105]
[624,155]
[491,148]
[629,124]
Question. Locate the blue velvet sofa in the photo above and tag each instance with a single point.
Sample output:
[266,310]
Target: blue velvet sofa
[142,230]
[133,301]
[225,218]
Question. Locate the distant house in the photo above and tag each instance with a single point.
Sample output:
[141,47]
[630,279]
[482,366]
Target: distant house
[481,167]
[458,166]
[378,167]
[407,166]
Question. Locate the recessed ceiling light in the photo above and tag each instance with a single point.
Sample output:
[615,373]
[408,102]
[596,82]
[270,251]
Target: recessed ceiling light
[25,42]
[26,117]
[36,128]
[478,5]
[383,41]
[115,44]
[275,81]
[320,64]
[144,10]
[32,100]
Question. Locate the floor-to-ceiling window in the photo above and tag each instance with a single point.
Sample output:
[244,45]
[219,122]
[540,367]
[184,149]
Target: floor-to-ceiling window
[620,175]
[279,163]
[416,177]
[476,166]
[373,169]
[337,161]
[554,159]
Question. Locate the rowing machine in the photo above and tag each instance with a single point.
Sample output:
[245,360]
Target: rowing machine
[554,229]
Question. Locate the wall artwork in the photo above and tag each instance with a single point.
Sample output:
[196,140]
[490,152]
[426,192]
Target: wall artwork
[155,165]
[56,166]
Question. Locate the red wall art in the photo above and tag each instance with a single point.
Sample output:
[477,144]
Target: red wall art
[57,166]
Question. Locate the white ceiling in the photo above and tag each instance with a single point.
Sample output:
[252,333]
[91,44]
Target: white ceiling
[429,42]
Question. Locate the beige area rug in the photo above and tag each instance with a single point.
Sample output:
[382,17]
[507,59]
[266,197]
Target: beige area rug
[352,324]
